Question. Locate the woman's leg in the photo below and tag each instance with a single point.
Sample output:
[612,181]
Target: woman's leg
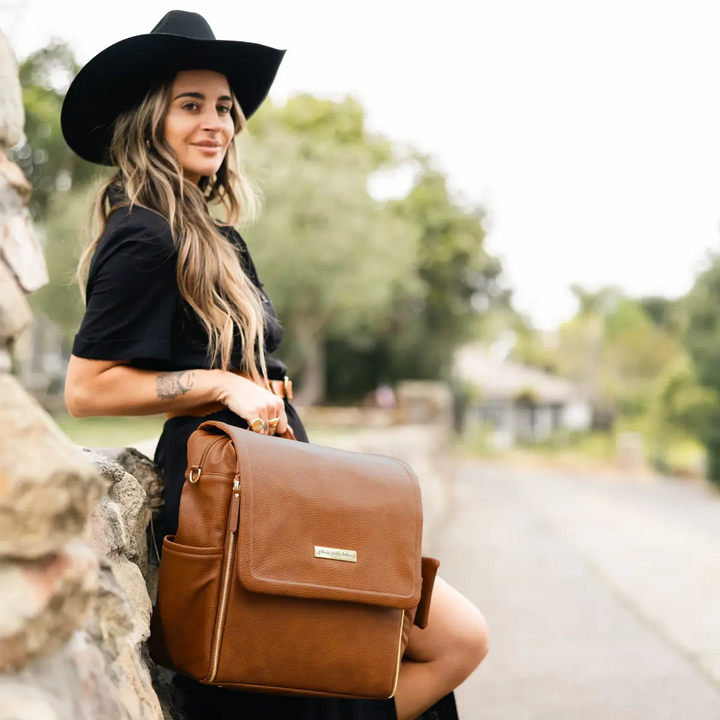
[440,657]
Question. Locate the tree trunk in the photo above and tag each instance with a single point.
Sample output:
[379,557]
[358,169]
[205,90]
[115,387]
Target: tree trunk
[312,390]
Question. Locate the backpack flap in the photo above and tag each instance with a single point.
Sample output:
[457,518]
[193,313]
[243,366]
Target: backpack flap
[327,524]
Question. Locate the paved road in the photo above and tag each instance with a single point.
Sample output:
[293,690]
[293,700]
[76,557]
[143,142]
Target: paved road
[602,595]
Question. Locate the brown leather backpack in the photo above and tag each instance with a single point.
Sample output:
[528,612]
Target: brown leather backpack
[296,568]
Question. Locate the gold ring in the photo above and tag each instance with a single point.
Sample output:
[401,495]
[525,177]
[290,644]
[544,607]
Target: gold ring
[258,425]
[274,422]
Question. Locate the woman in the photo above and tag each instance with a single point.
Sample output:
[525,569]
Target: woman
[178,322]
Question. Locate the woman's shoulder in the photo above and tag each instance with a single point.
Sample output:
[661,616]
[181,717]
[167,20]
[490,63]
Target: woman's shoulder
[128,221]
[138,222]
[134,237]
[135,240]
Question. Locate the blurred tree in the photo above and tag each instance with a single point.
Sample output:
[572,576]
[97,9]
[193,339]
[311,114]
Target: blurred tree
[665,313]
[459,280]
[682,405]
[43,154]
[702,338]
[371,292]
[616,349]
[636,352]
[532,346]
[457,284]
[59,300]
[580,342]
[341,253]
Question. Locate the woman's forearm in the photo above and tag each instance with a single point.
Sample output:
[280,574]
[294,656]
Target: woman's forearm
[125,390]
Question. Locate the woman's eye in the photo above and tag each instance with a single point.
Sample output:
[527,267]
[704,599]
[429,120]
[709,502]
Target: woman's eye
[188,105]
[224,108]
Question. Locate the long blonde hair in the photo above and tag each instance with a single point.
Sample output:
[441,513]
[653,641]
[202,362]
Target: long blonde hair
[209,273]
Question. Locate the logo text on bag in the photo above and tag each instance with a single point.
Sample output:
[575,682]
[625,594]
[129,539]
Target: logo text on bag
[335,554]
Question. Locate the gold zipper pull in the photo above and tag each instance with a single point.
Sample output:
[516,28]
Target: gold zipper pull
[234,518]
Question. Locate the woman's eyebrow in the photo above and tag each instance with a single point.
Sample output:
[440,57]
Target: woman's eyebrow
[200,96]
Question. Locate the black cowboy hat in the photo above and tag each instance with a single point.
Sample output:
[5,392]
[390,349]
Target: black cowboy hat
[120,76]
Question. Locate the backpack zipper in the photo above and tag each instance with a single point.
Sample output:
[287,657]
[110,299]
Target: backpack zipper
[233,521]
[399,656]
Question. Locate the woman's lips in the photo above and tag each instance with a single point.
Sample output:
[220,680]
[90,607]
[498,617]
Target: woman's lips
[209,149]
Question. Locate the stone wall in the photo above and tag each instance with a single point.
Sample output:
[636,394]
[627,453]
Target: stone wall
[74,607]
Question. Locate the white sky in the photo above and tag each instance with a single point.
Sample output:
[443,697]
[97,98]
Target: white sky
[590,130]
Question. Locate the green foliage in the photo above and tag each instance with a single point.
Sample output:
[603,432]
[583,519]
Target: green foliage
[531,348]
[329,254]
[459,280]
[387,290]
[666,314]
[703,327]
[60,299]
[616,350]
[43,154]
[635,353]
[702,339]
[682,405]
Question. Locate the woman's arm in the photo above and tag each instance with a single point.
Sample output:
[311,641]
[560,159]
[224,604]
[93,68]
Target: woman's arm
[111,387]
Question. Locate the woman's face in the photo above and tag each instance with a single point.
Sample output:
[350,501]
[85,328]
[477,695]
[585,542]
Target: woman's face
[198,124]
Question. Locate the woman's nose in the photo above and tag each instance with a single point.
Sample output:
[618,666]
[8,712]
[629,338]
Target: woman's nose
[211,120]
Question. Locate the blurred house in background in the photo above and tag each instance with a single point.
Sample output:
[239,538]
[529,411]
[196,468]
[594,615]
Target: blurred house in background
[516,402]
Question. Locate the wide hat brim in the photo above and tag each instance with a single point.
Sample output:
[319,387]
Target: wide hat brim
[120,76]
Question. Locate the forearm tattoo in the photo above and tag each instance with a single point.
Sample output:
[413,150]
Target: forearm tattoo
[173,384]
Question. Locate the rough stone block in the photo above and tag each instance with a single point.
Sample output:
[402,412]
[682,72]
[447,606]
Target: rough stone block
[15,313]
[127,495]
[144,470]
[21,251]
[43,602]
[71,684]
[47,489]
[12,117]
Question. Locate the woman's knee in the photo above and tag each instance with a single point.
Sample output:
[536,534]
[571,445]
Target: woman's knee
[474,642]
[467,646]
[456,636]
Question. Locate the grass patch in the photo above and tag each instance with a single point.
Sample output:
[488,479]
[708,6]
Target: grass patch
[593,445]
[675,455]
[105,432]
[475,443]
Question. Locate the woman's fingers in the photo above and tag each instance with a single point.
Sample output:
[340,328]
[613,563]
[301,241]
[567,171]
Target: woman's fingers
[281,429]
[276,413]
[260,413]
[252,402]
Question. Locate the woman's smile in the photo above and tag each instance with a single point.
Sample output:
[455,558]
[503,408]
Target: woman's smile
[208,147]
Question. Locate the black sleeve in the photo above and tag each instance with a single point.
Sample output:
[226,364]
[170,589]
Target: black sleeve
[131,296]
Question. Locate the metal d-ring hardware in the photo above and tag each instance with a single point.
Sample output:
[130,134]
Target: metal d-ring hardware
[192,479]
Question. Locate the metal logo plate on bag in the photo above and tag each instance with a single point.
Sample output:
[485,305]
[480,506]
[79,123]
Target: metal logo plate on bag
[335,554]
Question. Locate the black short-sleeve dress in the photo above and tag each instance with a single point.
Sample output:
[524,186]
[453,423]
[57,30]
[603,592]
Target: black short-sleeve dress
[135,312]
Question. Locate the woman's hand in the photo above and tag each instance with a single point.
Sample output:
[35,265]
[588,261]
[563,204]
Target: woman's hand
[250,401]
